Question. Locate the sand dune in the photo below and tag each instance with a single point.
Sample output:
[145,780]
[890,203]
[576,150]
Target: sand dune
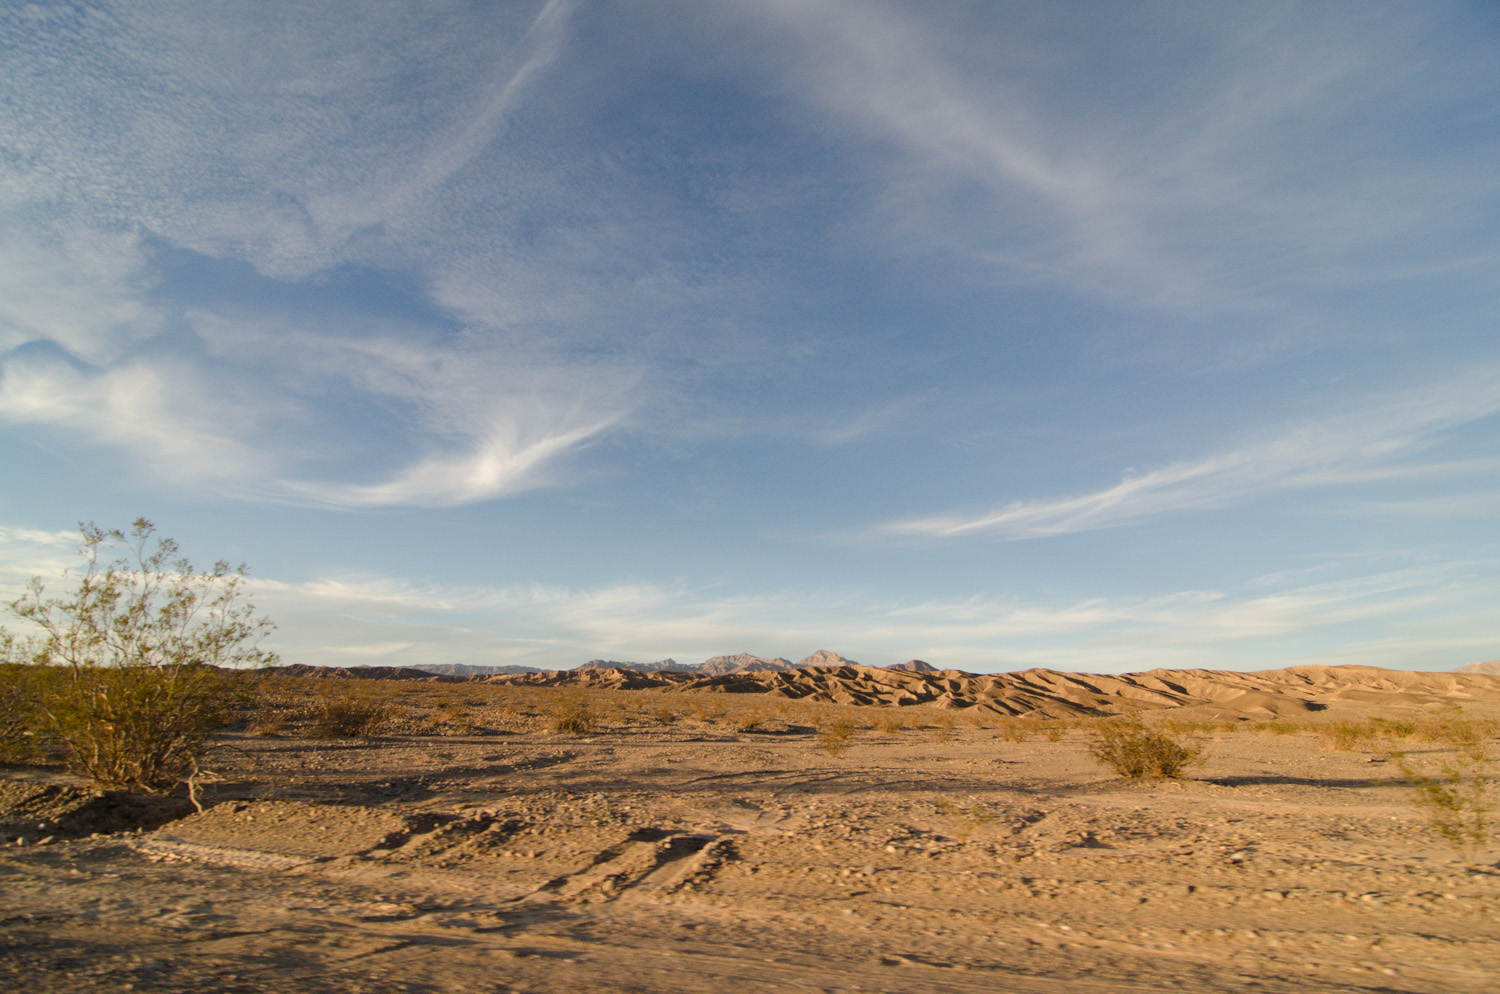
[1040,693]
[1051,693]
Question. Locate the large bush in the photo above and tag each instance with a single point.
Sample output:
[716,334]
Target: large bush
[133,662]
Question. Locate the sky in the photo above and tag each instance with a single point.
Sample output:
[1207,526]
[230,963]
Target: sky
[1090,336]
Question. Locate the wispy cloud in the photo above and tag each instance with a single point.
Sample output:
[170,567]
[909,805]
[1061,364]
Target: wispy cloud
[401,196]
[1255,171]
[157,413]
[462,416]
[1372,444]
[483,427]
[80,289]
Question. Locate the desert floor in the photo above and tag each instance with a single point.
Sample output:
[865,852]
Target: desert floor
[699,857]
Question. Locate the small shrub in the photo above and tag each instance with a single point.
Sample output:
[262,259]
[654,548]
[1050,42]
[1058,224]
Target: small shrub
[572,717]
[452,718]
[1459,732]
[1053,731]
[1346,736]
[945,728]
[1134,751]
[750,722]
[268,724]
[1458,798]
[1012,730]
[834,736]
[890,722]
[665,716]
[349,716]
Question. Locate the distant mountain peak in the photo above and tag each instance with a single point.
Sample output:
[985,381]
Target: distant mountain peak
[1492,667]
[742,662]
[914,666]
[661,666]
[825,657]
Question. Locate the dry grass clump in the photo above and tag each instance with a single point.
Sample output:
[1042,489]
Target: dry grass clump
[891,721]
[946,726]
[1137,752]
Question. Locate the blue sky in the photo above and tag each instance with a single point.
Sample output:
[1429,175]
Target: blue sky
[1090,336]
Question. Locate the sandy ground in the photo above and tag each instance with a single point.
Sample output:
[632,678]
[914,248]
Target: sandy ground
[696,858]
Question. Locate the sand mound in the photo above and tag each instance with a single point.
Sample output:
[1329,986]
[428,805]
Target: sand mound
[37,810]
[297,829]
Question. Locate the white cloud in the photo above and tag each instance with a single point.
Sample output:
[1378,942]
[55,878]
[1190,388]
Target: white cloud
[1363,446]
[30,552]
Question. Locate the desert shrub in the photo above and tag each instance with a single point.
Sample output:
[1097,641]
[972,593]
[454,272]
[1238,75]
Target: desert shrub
[350,715]
[1393,729]
[835,735]
[19,720]
[572,716]
[1012,730]
[946,726]
[268,724]
[1276,727]
[1345,736]
[664,715]
[1458,798]
[1460,732]
[890,722]
[1134,751]
[452,718]
[749,722]
[132,664]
